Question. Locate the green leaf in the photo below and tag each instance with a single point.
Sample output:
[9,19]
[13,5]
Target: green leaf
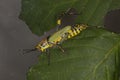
[92,55]
[41,15]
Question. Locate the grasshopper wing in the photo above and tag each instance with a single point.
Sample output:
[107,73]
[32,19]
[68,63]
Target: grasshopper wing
[67,18]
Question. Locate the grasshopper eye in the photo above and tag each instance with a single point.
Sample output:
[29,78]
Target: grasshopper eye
[44,44]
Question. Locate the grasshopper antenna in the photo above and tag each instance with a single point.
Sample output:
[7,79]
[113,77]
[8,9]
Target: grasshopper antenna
[72,11]
[25,51]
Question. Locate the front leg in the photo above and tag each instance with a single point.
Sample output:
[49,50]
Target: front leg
[48,55]
[57,45]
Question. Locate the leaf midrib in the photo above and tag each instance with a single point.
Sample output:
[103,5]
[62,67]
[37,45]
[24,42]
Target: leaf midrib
[103,60]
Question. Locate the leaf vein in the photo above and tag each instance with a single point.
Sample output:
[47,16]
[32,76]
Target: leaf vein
[105,57]
[93,47]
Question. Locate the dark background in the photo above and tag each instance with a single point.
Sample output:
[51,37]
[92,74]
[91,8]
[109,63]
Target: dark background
[15,36]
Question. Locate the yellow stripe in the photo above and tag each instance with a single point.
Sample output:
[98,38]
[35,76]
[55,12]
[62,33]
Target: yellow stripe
[59,21]
[76,30]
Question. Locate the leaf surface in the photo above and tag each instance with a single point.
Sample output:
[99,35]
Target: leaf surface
[92,55]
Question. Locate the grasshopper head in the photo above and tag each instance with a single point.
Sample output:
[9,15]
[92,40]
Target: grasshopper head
[42,45]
